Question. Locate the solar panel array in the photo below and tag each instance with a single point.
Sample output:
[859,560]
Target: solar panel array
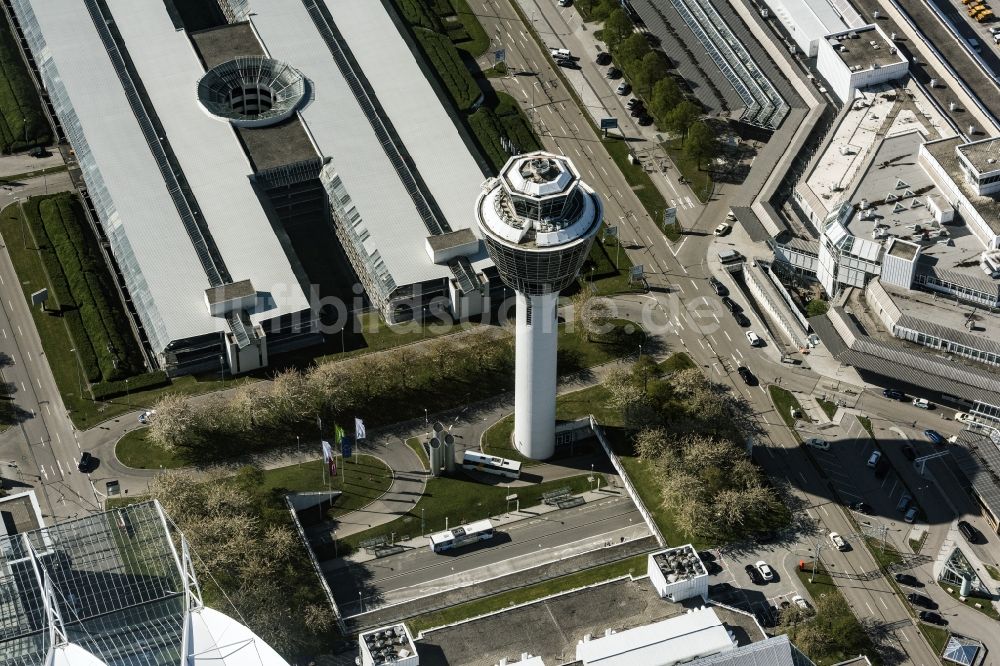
[116,582]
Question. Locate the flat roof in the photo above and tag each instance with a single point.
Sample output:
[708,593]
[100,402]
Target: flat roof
[984,155]
[902,249]
[19,513]
[216,168]
[897,188]
[393,230]
[946,319]
[696,633]
[807,20]
[855,48]
[944,152]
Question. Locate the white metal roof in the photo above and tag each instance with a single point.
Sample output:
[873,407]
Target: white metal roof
[342,133]
[215,639]
[671,641]
[71,655]
[144,210]
[210,155]
[807,20]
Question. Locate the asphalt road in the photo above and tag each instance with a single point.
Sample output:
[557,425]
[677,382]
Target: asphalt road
[517,546]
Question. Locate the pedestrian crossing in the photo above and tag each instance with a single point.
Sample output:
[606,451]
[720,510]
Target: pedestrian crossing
[683,203]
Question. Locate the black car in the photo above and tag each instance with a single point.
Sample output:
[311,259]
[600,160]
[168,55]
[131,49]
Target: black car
[931,617]
[637,111]
[706,556]
[748,377]
[645,120]
[567,63]
[893,394]
[861,507]
[907,579]
[909,452]
[921,600]
[765,618]
[613,73]
[731,305]
[971,534]
[754,575]
[634,102]
[603,58]
[741,319]
[86,462]
[718,287]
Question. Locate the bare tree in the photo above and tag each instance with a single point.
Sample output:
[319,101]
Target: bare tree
[651,443]
[176,422]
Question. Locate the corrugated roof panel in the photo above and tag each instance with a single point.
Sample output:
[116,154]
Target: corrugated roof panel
[210,155]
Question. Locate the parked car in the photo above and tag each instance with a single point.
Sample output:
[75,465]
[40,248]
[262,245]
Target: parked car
[718,287]
[971,534]
[603,58]
[613,73]
[637,111]
[907,579]
[800,602]
[838,541]
[645,120]
[904,502]
[909,452]
[623,88]
[561,53]
[911,514]
[894,394]
[964,417]
[753,574]
[146,416]
[874,458]
[86,462]
[754,339]
[565,3]
[766,572]
[731,305]
[634,102]
[934,437]
[922,403]
[818,443]
[567,63]
[921,600]
[931,617]
[722,229]
[749,378]
[741,319]
[862,507]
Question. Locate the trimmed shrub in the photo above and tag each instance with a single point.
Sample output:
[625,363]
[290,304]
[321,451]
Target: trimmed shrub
[448,64]
[507,120]
[415,13]
[144,382]
[22,123]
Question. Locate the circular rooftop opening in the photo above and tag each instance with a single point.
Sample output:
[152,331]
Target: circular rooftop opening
[251,91]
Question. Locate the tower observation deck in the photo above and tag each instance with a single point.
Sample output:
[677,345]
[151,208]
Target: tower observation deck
[539,220]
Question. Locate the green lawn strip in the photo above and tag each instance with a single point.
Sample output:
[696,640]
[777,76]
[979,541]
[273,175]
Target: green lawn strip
[459,500]
[633,566]
[936,636]
[823,584]
[33,174]
[917,544]
[784,401]
[992,571]
[829,408]
[641,183]
[477,40]
[608,269]
[884,557]
[699,180]
[135,450]
[361,479]
[986,607]
[866,423]
[418,448]
[22,123]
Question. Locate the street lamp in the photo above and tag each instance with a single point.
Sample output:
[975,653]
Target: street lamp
[128,398]
[426,421]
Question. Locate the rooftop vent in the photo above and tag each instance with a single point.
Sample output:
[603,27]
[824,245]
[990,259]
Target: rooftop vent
[251,91]
[540,170]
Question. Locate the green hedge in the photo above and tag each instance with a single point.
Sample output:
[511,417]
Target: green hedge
[82,280]
[415,13]
[448,64]
[150,380]
[22,123]
[490,125]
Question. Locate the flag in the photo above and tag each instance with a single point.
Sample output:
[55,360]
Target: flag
[359,428]
[333,467]
[327,451]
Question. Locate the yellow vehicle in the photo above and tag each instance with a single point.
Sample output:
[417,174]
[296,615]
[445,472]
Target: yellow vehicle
[976,8]
[983,15]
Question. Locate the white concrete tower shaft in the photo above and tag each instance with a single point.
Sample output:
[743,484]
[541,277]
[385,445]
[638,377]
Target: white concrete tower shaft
[535,344]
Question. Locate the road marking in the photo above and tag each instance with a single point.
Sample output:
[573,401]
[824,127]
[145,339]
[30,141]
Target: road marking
[61,472]
[20,332]
[587,146]
[619,193]
[905,637]
[604,170]
[577,151]
[700,343]
[883,603]
[694,284]
[9,304]
[804,479]
[761,387]
[825,512]
[726,333]
[649,239]
[44,473]
[716,366]
[712,340]
[738,352]
[23,388]
[39,382]
[674,252]
[716,318]
[29,354]
[5,333]
[870,609]
[58,438]
[47,411]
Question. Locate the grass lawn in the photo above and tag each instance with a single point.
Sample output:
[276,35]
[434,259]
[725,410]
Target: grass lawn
[608,269]
[418,448]
[917,544]
[986,608]
[866,423]
[936,636]
[643,479]
[885,558]
[822,584]
[700,180]
[459,500]
[360,482]
[784,402]
[641,183]
[634,566]
[33,174]
[135,450]
[992,571]
[829,408]
[582,350]
[478,40]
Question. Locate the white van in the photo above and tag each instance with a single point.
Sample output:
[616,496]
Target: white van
[921,403]
[754,339]
[722,229]
[560,54]
[875,457]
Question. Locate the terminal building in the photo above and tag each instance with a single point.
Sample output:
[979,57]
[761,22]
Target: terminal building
[206,153]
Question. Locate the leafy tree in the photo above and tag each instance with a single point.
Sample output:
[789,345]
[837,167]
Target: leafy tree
[651,443]
[176,423]
[594,313]
[666,94]
[700,143]
[652,69]
[817,307]
[682,117]
[630,53]
[617,28]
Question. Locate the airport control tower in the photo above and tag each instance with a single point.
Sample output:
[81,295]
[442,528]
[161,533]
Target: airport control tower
[539,220]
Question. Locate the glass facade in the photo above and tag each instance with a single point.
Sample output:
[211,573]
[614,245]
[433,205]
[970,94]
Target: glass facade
[961,292]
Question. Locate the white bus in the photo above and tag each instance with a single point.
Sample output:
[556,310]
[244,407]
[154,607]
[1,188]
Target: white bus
[481,530]
[491,464]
